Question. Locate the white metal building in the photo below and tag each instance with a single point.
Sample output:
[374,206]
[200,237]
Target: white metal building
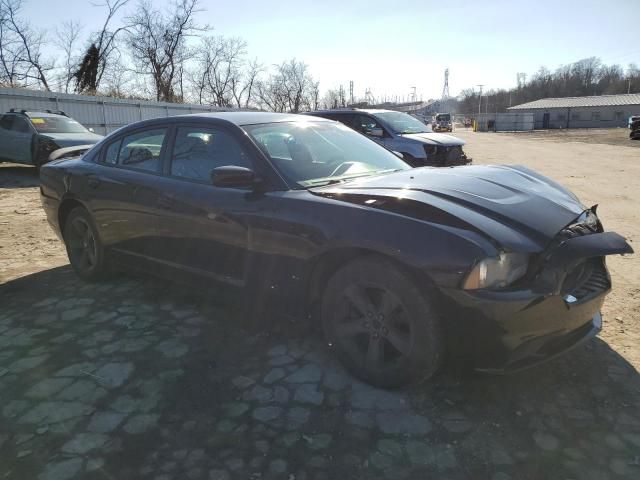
[104,114]
[602,111]
[504,122]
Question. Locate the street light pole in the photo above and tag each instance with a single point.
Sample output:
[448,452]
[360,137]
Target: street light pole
[480,102]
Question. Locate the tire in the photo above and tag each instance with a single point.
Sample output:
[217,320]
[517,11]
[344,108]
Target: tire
[84,248]
[382,327]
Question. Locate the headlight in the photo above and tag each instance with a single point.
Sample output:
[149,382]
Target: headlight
[430,149]
[497,272]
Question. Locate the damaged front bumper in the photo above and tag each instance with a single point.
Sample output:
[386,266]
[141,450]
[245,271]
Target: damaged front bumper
[508,330]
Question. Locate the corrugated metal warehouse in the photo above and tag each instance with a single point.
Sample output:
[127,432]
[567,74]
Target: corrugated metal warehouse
[103,114]
[504,122]
[603,111]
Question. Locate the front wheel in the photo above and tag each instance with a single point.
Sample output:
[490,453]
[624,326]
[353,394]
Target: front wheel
[382,327]
[85,251]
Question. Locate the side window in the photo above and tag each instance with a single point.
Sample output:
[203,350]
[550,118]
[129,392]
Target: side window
[365,123]
[20,125]
[6,122]
[111,153]
[345,118]
[198,150]
[142,150]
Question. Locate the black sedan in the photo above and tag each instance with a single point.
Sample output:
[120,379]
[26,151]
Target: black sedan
[402,265]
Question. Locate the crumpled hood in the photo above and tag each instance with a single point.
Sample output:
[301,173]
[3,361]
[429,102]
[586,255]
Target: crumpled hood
[435,139]
[517,207]
[71,139]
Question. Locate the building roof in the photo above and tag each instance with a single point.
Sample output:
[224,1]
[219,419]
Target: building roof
[570,102]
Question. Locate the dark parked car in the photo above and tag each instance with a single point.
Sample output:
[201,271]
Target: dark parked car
[30,137]
[496,262]
[403,133]
[634,134]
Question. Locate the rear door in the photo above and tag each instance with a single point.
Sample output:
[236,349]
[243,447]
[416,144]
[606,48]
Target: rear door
[204,229]
[123,193]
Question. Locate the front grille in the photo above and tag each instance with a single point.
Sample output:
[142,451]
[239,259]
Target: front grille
[448,156]
[587,280]
[576,230]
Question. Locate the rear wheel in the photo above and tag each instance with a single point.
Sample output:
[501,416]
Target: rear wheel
[85,251]
[381,326]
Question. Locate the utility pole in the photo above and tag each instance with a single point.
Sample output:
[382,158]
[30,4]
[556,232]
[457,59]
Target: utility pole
[351,91]
[445,92]
[480,102]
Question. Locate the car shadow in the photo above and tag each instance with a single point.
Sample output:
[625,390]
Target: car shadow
[200,382]
[18,176]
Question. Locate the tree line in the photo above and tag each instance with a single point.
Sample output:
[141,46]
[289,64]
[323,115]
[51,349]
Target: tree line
[153,53]
[585,77]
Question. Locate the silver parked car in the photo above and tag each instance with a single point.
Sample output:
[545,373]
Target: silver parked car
[401,132]
[30,137]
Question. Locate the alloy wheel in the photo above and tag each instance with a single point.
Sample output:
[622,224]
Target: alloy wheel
[373,326]
[82,244]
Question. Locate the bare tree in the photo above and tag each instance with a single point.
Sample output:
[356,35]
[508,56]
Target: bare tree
[102,46]
[10,52]
[157,41]
[331,98]
[21,46]
[218,70]
[288,89]
[67,36]
[243,87]
[117,80]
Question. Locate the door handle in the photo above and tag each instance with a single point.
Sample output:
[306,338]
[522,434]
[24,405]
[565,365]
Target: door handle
[165,202]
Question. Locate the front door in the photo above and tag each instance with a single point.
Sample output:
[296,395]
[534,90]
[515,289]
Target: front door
[205,229]
[22,138]
[545,120]
[366,124]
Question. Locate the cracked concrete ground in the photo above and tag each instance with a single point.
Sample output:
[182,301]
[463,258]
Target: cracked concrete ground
[135,378]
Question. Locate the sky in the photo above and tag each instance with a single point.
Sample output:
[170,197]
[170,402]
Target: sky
[390,47]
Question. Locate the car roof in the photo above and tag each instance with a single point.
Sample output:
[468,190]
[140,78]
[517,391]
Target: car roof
[35,113]
[252,118]
[352,110]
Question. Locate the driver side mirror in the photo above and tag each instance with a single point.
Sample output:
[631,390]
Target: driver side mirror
[376,132]
[232,176]
[92,130]
[398,154]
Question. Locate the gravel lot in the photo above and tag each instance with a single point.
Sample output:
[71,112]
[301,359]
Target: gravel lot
[135,379]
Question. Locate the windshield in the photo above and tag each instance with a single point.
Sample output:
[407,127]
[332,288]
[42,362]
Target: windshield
[57,125]
[310,154]
[403,122]
[443,117]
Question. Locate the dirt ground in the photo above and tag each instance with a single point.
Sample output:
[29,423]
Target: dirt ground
[604,136]
[607,174]
[131,378]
